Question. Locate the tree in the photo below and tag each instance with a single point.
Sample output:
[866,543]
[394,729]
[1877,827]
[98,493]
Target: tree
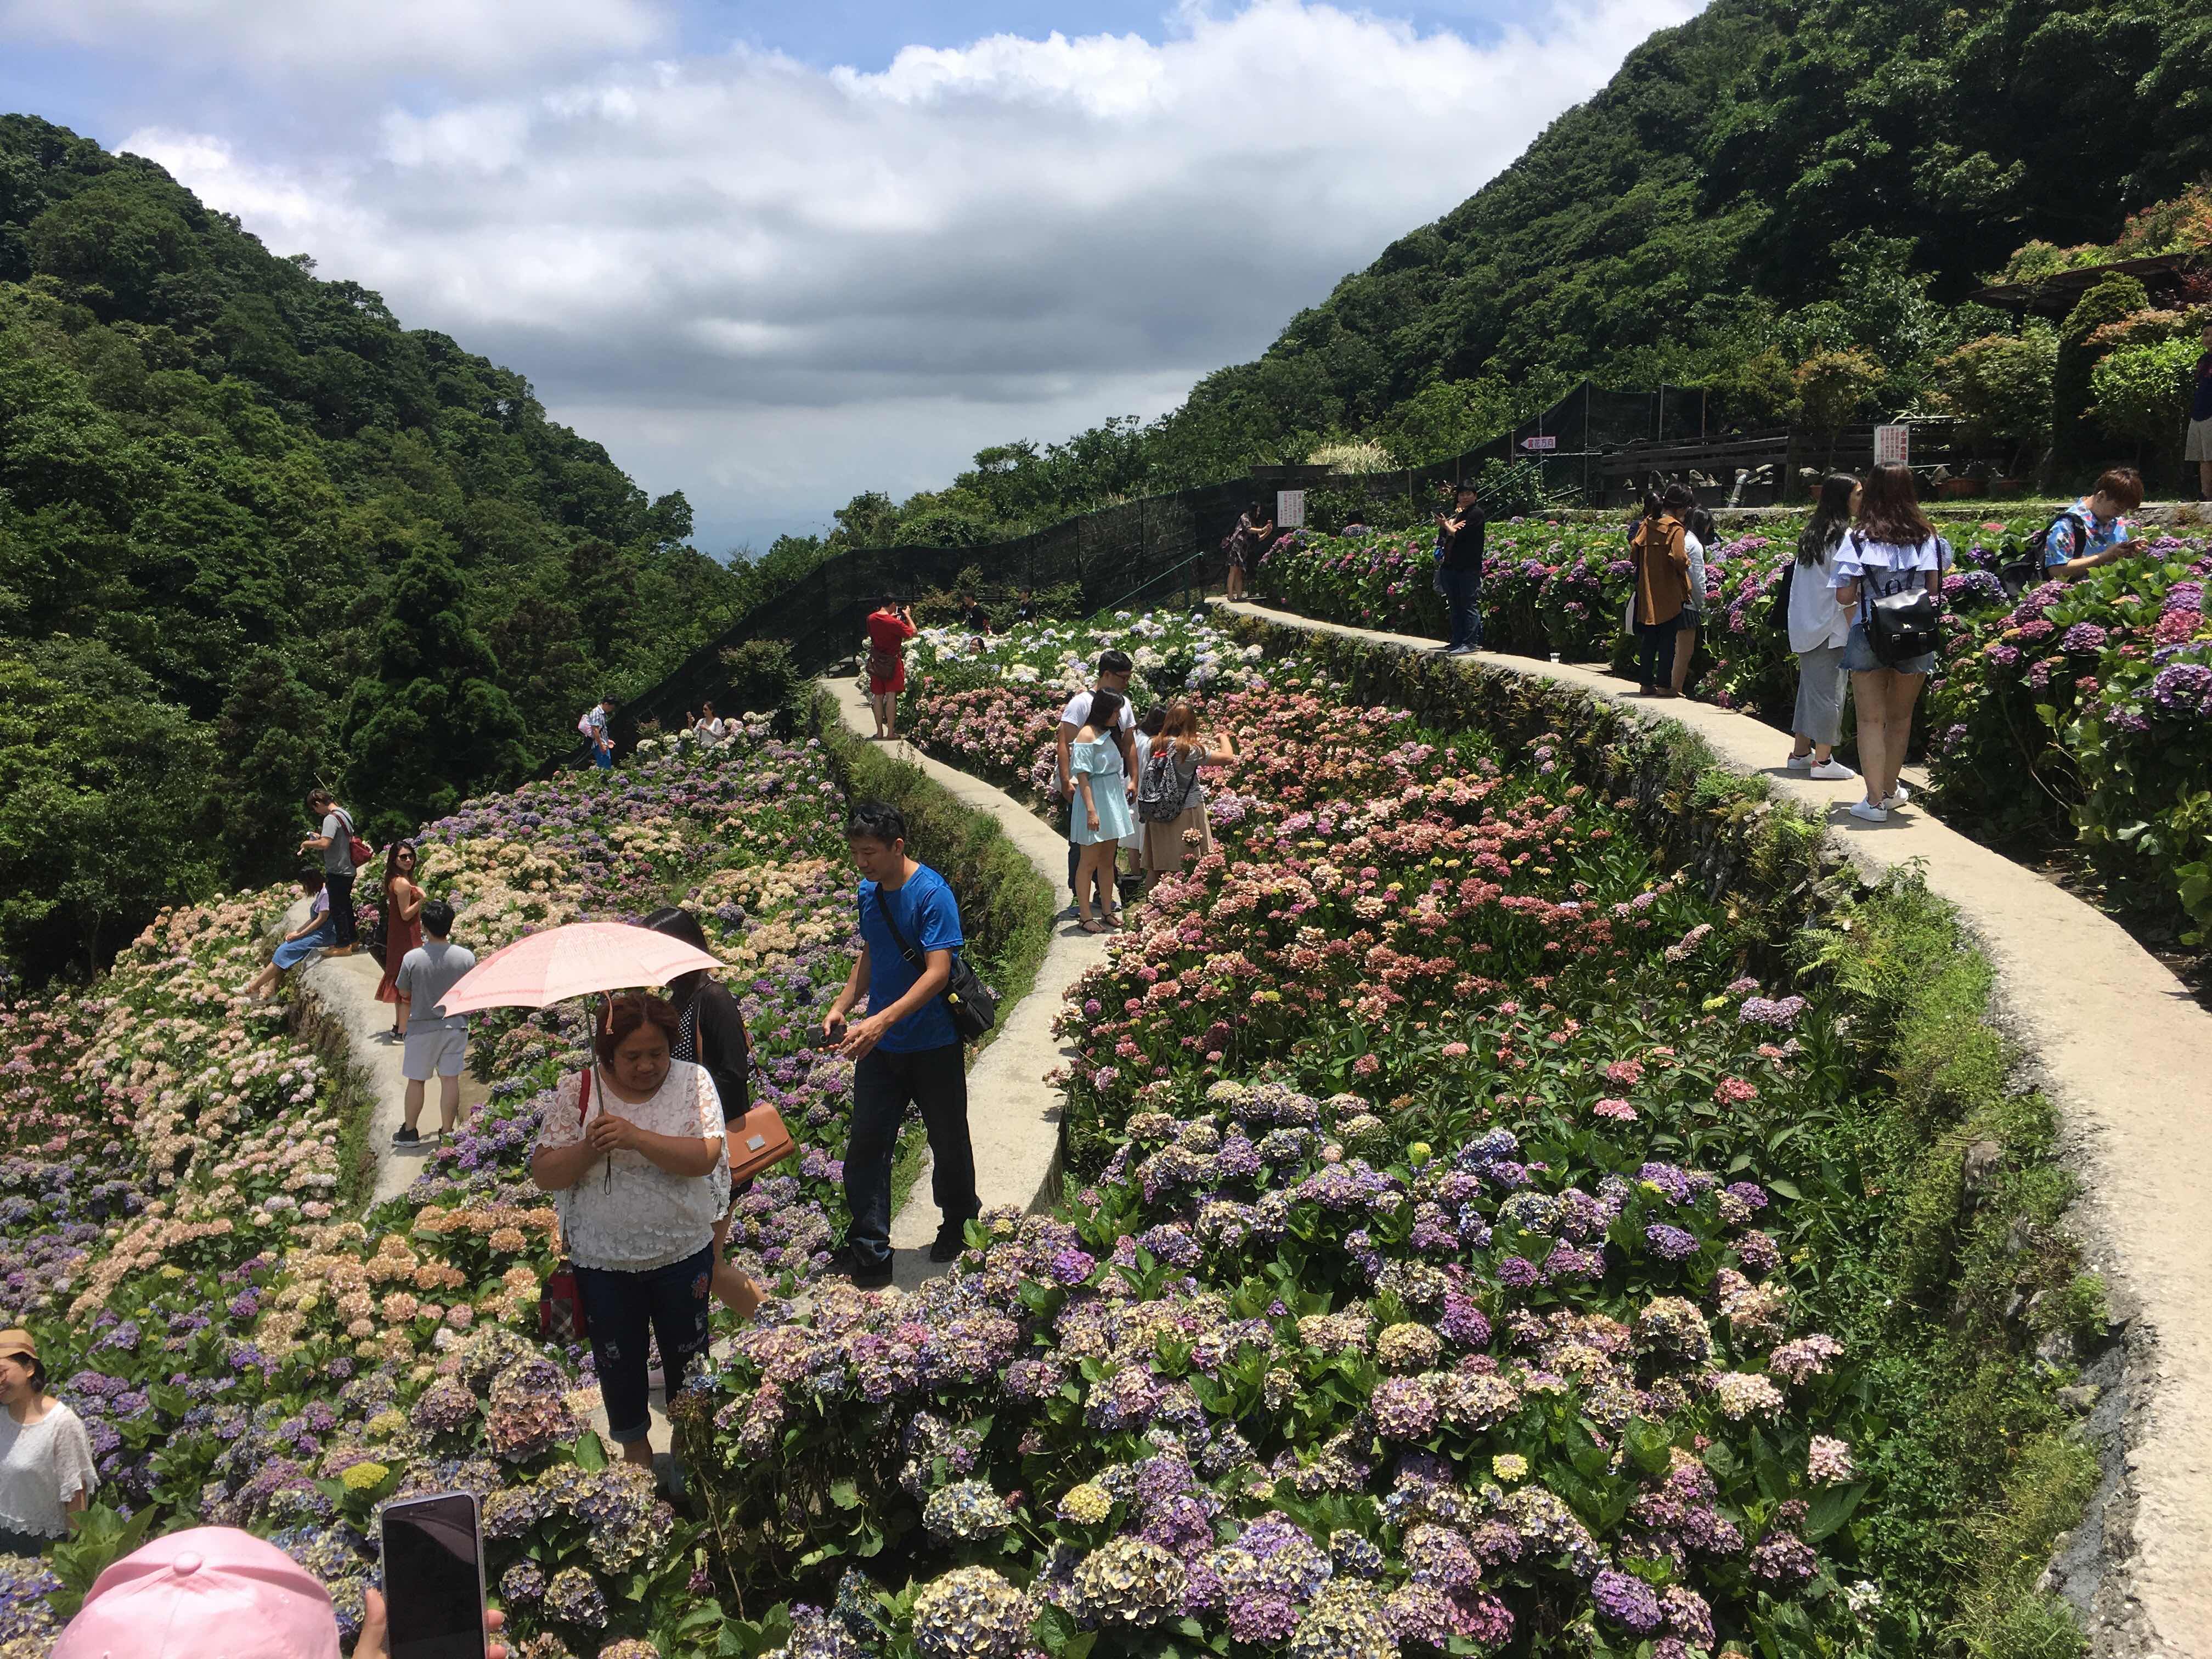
[1446,419]
[2000,387]
[274,735]
[101,787]
[1831,386]
[2142,392]
[433,726]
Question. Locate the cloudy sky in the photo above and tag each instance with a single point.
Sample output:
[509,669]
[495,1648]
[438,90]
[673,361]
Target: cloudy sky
[772,255]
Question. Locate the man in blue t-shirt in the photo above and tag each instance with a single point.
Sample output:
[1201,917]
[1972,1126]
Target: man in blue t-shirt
[905,1050]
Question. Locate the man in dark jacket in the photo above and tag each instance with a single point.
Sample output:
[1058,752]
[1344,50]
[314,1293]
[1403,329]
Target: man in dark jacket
[1459,563]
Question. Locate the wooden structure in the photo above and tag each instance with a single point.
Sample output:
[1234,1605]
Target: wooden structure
[2061,291]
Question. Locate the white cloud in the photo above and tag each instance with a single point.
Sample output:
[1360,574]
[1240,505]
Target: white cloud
[470,38]
[1020,230]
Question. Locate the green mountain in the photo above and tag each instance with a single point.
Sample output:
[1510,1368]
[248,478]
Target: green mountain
[1772,179]
[253,533]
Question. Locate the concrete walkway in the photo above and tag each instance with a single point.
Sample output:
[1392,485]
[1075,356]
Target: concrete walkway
[2126,1054]
[1013,1115]
[343,990]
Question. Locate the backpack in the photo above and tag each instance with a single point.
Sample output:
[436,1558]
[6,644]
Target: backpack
[1161,789]
[2018,575]
[584,727]
[1779,615]
[356,849]
[1902,626]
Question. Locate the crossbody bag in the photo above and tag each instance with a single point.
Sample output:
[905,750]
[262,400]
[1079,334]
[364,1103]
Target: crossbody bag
[973,1009]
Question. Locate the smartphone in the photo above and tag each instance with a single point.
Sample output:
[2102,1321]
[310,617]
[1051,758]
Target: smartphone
[434,1586]
[824,1039]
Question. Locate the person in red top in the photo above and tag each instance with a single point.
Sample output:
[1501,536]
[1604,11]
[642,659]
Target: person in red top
[890,625]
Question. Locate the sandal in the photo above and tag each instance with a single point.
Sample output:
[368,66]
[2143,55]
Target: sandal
[1092,925]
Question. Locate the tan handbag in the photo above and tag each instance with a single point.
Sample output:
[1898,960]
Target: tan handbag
[758,1141]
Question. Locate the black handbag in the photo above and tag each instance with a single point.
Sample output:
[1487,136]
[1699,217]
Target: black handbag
[1902,625]
[973,1009]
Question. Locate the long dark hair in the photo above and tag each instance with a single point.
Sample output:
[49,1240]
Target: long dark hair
[1677,498]
[1831,516]
[682,924]
[1105,711]
[392,868]
[1890,510]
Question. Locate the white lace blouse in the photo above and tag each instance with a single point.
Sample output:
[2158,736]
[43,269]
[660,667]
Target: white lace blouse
[626,1213]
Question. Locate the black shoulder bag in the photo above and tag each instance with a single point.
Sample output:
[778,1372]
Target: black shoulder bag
[973,1009]
[1902,625]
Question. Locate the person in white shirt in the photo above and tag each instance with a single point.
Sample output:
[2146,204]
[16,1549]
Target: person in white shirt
[710,728]
[1113,671]
[1819,627]
[47,1473]
[1890,549]
[634,1152]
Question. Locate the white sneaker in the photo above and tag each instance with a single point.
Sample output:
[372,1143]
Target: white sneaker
[1871,814]
[1801,763]
[1833,771]
[1898,796]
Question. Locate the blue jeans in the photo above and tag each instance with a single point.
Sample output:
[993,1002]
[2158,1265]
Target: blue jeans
[1463,601]
[621,1309]
[936,1081]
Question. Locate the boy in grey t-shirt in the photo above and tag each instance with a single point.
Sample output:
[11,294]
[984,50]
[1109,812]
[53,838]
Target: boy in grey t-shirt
[436,1041]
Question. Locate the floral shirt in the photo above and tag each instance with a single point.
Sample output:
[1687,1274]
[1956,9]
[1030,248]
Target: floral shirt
[2066,540]
[626,1213]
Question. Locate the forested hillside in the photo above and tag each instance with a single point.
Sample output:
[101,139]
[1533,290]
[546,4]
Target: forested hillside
[1773,179]
[254,533]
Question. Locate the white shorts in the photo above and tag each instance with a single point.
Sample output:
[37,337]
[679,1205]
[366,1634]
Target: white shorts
[2199,447]
[437,1052]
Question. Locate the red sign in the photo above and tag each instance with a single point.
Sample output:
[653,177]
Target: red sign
[1551,442]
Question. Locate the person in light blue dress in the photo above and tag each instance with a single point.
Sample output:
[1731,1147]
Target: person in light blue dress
[1100,815]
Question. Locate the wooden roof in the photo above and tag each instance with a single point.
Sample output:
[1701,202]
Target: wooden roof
[2060,292]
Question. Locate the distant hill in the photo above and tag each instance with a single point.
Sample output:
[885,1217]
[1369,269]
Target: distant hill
[253,533]
[1772,179]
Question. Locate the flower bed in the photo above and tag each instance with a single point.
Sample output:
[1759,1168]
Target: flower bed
[2081,713]
[1477,1245]
[243,1354]
[990,705]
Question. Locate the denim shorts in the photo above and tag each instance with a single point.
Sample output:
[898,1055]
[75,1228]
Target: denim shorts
[1859,657]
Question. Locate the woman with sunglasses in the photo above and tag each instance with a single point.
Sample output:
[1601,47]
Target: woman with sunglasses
[633,1152]
[402,927]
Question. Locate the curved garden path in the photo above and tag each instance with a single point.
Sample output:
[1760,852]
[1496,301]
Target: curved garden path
[2125,1053]
[341,992]
[1012,1114]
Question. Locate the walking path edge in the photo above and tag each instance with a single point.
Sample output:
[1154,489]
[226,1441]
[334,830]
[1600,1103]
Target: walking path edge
[2125,1053]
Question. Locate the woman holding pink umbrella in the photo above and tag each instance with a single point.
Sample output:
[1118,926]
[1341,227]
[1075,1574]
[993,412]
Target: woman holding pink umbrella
[634,1152]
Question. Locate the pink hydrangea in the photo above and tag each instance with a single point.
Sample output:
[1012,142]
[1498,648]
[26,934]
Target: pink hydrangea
[1620,1111]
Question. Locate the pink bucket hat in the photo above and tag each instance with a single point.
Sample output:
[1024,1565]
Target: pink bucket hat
[208,1592]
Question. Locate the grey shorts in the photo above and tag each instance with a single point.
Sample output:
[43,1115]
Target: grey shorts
[435,1053]
[1859,657]
[2199,446]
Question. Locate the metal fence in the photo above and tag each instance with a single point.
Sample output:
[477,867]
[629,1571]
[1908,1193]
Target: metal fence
[1601,446]
[1138,551]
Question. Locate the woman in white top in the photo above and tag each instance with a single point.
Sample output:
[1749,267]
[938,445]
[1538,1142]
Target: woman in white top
[1819,626]
[47,1473]
[635,1154]
[1697,534]
[710,728]
[1891,549]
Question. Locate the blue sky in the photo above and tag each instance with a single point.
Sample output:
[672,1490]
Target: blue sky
[774,255]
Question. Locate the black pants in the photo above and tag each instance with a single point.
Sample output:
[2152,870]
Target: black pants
[340,888]
[1654,652]
[621,1309]
[935,1080]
